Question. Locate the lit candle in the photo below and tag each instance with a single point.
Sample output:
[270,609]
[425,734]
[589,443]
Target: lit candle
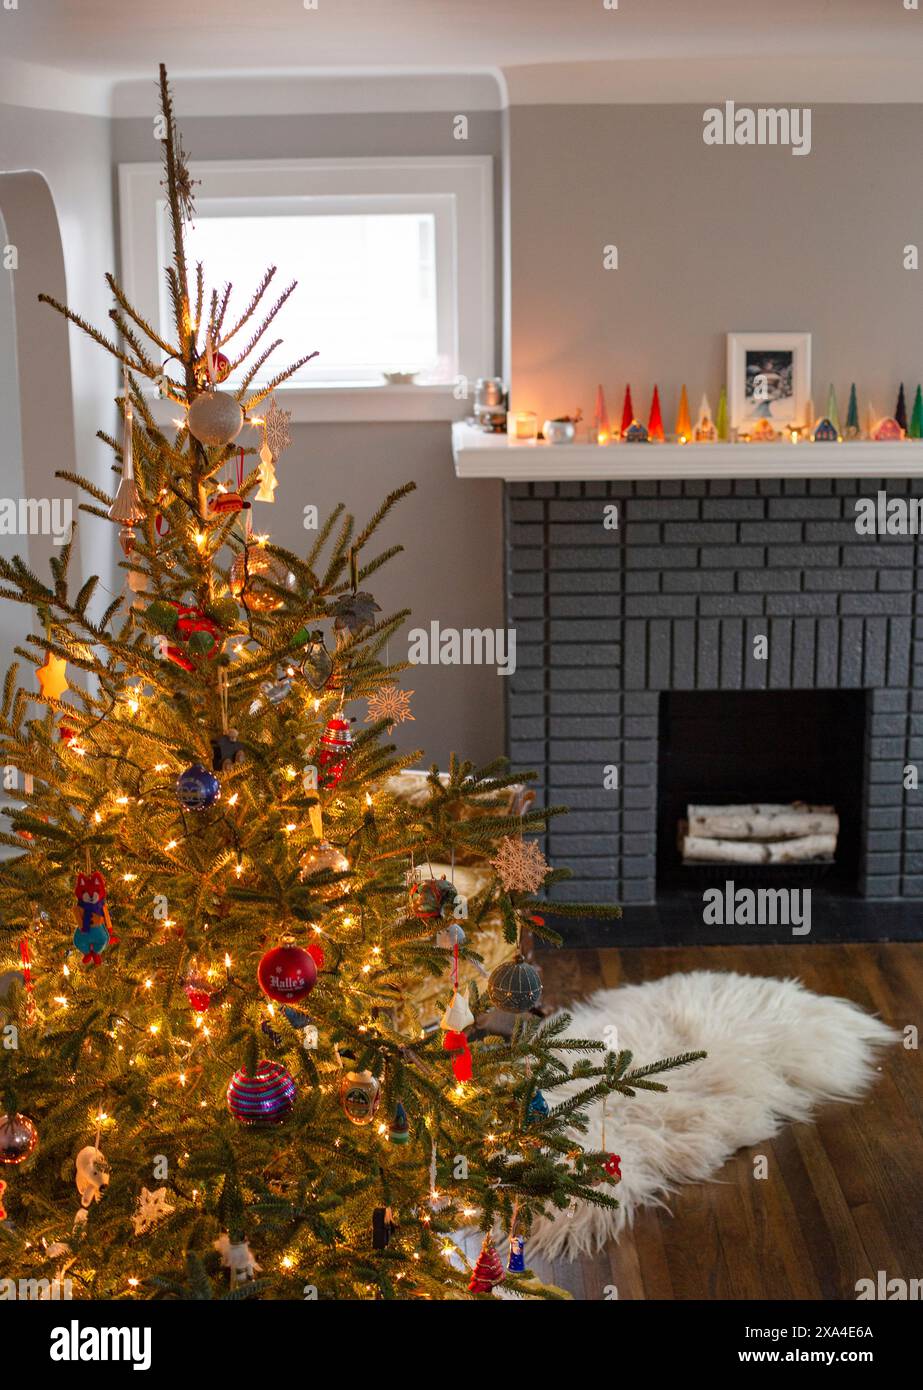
[522,425]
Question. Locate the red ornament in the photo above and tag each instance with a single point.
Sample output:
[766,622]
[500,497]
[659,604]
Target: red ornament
[489,1271]
[333,752]
[432,898]
[198,994]
[213,366]
[287,974]
[66,734]
[612,1167]
[201,635]
[316,953]
[457,1043]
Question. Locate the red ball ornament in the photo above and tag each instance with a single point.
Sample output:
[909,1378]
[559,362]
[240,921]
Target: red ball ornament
[287,974]
[316,953]
[198,994]
[333,752]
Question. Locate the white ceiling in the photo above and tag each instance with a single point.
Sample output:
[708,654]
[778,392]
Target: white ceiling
[122,38]
[96,44]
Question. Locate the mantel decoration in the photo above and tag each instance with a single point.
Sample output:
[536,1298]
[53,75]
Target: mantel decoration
[768,421]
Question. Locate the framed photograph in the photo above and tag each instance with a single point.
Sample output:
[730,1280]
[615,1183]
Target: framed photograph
[769,378]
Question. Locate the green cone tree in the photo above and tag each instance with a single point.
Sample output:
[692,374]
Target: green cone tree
[122,1027]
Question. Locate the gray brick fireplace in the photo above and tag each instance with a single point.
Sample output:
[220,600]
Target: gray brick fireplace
[609,620]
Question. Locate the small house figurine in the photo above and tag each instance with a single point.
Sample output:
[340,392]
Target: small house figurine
[636,433]
[887,430]
[705,431]
[763,432]
[825,432]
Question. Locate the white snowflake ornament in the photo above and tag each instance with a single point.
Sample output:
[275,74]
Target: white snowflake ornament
[520,865]
[276,434]
[152,1207]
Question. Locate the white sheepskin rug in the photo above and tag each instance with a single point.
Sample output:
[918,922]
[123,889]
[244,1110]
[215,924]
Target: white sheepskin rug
[775,1051]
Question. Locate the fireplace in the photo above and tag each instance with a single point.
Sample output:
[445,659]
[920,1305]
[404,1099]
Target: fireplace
[751,604]
[722,747]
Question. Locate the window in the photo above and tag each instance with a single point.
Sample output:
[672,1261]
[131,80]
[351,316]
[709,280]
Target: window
[393,258]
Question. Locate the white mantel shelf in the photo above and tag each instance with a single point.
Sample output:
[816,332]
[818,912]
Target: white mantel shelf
[481,455]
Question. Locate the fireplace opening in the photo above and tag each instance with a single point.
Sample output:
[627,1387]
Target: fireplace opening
[724,749]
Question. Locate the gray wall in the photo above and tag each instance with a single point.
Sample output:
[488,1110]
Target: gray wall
[710,239]
[452,569]
[72,153]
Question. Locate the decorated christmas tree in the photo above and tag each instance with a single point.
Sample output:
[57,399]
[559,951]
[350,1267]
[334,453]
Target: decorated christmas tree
[683,421]
[218,911]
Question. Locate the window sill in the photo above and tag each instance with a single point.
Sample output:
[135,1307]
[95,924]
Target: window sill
[319,405]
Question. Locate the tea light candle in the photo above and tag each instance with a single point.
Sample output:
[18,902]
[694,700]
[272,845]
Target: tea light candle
[522,425]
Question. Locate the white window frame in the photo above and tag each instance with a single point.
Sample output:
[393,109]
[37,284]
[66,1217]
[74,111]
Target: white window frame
[458,189]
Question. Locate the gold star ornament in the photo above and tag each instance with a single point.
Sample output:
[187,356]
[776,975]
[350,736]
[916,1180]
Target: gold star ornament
[52,678]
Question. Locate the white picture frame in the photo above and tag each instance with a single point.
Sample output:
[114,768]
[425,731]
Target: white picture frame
[768,377]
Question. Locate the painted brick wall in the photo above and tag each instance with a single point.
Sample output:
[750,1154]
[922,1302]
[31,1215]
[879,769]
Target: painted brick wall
[607,619]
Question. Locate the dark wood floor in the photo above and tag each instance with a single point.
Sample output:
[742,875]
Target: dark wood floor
[843,1196]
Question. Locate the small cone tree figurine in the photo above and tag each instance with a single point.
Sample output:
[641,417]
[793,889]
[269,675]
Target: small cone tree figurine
[489,1271]
[900,409]
[915,430]
[853,429]
[833,413]
[242,1119]
[628,413]
[655,420]
[683,420]
[721,415]
[601,418]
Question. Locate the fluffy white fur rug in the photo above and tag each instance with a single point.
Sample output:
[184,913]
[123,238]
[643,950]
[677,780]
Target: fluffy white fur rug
[775,1050]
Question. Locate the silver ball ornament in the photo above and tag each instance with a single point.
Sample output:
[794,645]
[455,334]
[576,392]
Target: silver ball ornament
[215,418]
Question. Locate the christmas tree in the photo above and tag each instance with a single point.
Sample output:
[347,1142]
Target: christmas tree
[916,419]
[683,420]
[218,1085]
[655,419]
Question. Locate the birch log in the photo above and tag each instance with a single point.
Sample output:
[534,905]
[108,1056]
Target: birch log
[762,822]
[696,849]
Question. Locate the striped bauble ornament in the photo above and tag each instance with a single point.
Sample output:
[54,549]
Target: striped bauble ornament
[264,1099]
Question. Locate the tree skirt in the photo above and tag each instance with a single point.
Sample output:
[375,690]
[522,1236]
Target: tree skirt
[775,1051]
